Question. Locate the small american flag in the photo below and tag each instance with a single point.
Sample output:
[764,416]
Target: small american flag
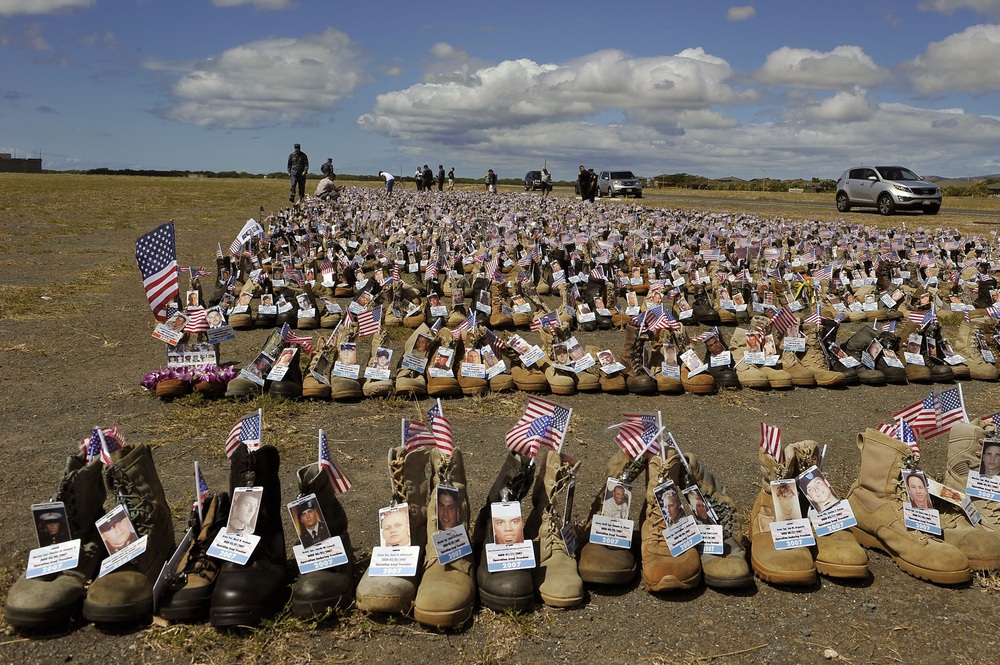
[246,430]
[639,434]
[949,409]
[993,312]
[813,317]
[415,434]
[102,442]
[784,321]
[156,257]
[770,441]
[906,435]
[824,272]
[993,418]
[888,429]
[290,337]
[200,491]
[197,320]
[341,483]
[496,343]
[490,268]
[545,321]
[705,336]
[920,414]
[444,437]
[370,322]
[467,324]
[218,250]
[551,433]
[922,319]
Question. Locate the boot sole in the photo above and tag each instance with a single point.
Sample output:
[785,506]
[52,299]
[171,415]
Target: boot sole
[560,601]
[448,619]
[34,620]
[306,609]
[608,576]
[728,582]
[117,613]
[671,583]
[506,603]
[562,390]
[783,577]
[935,576]
[842,570]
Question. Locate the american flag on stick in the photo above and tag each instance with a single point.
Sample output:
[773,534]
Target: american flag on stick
[246,430]
[444,437]
[200,491]
[156,256]
[370,322]
[543,423]
[415,434]
[341,483]
[770,441]
[639,434]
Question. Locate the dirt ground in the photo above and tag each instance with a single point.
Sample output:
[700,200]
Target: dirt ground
[75,336]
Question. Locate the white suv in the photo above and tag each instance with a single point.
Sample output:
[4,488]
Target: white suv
[888,188]
[619,183]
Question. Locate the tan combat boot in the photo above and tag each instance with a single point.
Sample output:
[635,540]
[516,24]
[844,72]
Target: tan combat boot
[127,592]
[408,475]
[980,543]
[556,576]
[600,564]
[877,498]
[447,592]
[792,566]
[814,360]
[410,383]
[377,387]
[661,571]
[749,375]
[967,345]
[313,388]
[729,570]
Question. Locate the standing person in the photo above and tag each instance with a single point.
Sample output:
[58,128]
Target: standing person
[418,177]
[440,177]
[491,182]
[546,182]
[583,182]
[389,180]
[451,179]
[428,178]
[593,185]
[327,167]
[298,167]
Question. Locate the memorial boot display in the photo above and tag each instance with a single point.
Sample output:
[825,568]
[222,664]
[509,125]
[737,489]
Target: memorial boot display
[379,359]
[556,577]
[447,592]
[969,343]
[509,589]
[730,569]
[471,340]
[664,344]
[410,382]
[814,360]
[794,566]
[408,475]
[320,364]
[980,543]
[126,594]
[600,564]
[638,380]
[189,586]
[320,591]
[444,361]
[661,571]
[245,595]
[344,388]
[836,554]
[877,498]
[748,375]
[50,600]
[561,381]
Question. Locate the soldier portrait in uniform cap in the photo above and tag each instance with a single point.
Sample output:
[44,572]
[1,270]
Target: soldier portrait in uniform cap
[309,522]
[51,525]
[817,489]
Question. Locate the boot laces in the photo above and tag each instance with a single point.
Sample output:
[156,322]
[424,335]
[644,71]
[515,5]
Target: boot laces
[396,477]
[632,470]
[138,505]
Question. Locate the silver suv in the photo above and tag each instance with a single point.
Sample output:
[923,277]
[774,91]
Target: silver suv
[619,183]
[888,188]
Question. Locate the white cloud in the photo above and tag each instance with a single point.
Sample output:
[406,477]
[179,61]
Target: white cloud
[39,7]
[843,67]
[740,13]
[843,107]
[991,7]
[259,4]
[965,61]
[513,93]
[265,82]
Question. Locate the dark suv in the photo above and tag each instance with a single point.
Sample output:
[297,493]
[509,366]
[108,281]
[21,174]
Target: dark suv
[888,188]
[532,180]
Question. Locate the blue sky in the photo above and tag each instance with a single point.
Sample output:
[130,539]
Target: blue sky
[767,89]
